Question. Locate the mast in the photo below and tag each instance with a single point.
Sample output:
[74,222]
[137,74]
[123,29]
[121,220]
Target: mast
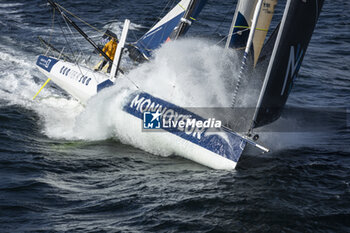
[252,32]
[54,5]
[186,19]
[118,53]
[247,48]
[242,22]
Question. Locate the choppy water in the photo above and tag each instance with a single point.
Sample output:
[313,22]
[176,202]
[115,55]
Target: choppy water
[53,181]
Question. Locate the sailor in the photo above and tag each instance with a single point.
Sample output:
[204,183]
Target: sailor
[109,49]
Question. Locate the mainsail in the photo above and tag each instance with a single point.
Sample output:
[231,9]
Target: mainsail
[242,22]
[171,26]
[295,31]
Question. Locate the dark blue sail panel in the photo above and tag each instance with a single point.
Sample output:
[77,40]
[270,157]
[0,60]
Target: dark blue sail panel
[294,35]
[198,8]
[153,39]
[239,40]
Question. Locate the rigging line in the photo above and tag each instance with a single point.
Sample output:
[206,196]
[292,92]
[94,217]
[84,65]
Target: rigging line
[52,24]
[232,34]
[221,40]
[70,48]
[163,24]
[75,61]
[134,83]
[227,13]
[64,35]
[160,15]
[238,32]
[72,34]
[81,20]
[146,45]
[134,35]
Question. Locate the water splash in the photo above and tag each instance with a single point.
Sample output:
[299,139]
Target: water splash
[193,75]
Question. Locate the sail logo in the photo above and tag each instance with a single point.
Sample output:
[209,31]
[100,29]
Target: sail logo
[293,66]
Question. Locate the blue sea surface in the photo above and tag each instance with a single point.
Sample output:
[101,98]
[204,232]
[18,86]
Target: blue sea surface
[50,182]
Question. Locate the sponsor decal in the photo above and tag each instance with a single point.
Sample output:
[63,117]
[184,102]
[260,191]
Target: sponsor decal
[156,113]
[46,63]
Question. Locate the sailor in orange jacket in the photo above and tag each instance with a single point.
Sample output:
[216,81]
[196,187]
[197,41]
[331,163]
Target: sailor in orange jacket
[109,49]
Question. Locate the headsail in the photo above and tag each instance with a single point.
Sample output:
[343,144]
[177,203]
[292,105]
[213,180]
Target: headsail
[295,31]
[242,22]
[171,26]
[264,21]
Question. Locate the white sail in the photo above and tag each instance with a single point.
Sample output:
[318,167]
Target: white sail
[264,21]
[242,23]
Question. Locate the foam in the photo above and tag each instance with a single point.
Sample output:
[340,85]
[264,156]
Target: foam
[183,78]
[7,5]
[187,72]
[17,87]
[190,73]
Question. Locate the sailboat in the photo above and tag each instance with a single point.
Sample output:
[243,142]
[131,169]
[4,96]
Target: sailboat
[83,83]
[274,63]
